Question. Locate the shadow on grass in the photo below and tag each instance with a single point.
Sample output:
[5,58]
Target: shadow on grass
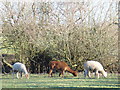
[53,87]
[70,77]
[9,78]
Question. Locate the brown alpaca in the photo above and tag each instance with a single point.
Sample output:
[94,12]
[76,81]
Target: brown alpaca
[62,66]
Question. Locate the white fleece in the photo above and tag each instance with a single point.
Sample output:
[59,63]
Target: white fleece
[93,65]
[20,67]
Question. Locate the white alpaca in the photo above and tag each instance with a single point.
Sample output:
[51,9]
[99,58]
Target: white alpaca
[19,67]
[93,66]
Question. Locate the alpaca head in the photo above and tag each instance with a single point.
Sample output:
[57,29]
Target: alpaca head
[105,74]
[75,73]
[27,76]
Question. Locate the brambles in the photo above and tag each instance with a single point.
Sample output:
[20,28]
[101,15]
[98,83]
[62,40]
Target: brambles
[37,33]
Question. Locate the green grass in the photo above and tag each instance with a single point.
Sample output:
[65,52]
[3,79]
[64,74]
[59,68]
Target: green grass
[43,81]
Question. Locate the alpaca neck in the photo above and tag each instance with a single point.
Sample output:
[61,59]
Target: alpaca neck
[25,71]
[70,70]
[103,73]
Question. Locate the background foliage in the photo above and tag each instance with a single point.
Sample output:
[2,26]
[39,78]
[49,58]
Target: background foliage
[37,33]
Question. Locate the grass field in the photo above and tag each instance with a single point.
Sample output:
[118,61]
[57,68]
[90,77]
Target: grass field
[43,81]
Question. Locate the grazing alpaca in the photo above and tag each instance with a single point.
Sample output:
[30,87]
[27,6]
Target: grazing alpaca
[93,66]
[62,66]
[19,67]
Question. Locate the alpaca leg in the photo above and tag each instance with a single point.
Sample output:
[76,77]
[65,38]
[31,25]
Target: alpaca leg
[61,73]
[88,73]
[85,73]
[13,73]
[17,75]
[50,73]
[21,74]
[97,74]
